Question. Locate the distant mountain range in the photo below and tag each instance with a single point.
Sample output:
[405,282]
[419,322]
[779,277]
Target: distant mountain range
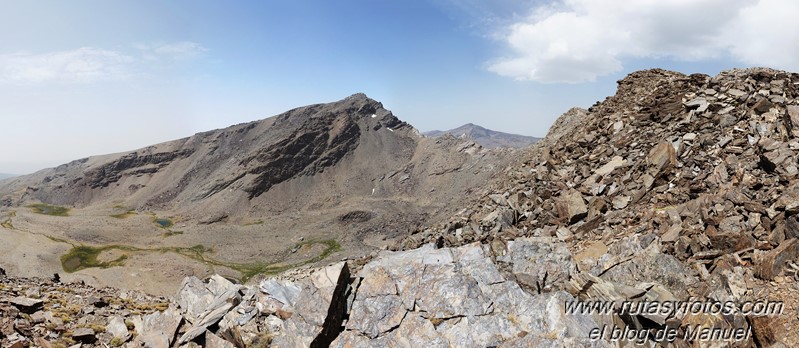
[6,176]
[486,137]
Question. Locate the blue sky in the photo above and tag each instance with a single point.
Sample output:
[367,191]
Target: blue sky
[81,78]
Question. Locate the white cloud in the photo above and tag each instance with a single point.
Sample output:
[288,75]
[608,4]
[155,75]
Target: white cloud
[89,64]
[579,40]
[767,34]
[177,51]
[86,64]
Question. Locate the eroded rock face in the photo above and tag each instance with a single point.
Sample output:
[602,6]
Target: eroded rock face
[135,163]
[310,149]
[456,297]
[318,309]
[538,264]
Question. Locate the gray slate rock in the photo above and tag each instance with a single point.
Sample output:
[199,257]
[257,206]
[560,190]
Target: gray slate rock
[539,263]
[158,330]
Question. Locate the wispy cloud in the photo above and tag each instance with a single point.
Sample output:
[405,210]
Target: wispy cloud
[88,64]
[177,51]
[483,14]
[85,64]
[579,40]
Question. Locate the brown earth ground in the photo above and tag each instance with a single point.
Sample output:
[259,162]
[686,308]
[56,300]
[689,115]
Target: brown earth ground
[32,244]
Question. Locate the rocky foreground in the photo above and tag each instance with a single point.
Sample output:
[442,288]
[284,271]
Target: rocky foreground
[425,297]
[677,190]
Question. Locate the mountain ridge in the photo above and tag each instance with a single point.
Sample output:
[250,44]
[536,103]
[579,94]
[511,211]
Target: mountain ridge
[486,137]
[259,143]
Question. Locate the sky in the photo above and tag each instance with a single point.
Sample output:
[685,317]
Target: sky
[81,78]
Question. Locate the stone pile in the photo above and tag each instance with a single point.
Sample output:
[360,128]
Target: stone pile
[705,168]
[47,313]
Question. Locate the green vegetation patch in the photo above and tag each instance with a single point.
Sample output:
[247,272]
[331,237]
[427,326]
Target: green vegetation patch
[128,213]
[7,222]
[332,246]
[249,270]
[171,233]
[83,256]
[47,209]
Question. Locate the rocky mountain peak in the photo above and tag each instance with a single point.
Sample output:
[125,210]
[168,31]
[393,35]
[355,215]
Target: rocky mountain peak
[254,156]
[486,137]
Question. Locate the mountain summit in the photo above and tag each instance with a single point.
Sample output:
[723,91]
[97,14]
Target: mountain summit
[486,137]
[249,158]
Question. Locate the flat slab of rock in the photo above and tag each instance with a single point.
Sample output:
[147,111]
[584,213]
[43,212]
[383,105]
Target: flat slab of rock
[571,206]
[195,296]
[214,341]
[660,158]
[212,315]
[27,305]
[769,264]
[84,335]
[539,264]
[116,327]
[158,329]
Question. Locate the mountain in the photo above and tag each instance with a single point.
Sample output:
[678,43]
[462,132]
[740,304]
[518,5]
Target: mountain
[6,176]
[486,137]
[348,176]
[665,214]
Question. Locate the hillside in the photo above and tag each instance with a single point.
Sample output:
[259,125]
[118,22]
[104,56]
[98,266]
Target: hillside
[486,137]
[344,178]
[679,190]
[252,164]
[6,176]
[678,187]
